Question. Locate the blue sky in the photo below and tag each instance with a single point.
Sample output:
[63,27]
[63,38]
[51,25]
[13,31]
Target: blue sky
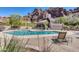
[6,11]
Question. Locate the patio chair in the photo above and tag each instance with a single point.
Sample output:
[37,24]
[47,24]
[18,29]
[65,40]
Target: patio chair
[60,38]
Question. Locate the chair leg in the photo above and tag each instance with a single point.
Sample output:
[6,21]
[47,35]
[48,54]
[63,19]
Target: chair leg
[65,41]
[71,39]
[55,40]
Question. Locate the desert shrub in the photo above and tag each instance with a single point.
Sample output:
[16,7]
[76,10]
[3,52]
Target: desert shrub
[61,20]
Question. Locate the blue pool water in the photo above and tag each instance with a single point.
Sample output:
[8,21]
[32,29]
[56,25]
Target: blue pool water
[27,32]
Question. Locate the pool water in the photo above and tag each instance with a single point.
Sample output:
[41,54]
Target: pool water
[27,32]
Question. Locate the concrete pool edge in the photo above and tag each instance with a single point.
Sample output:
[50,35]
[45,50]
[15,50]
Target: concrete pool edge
[68,32]
[29,36]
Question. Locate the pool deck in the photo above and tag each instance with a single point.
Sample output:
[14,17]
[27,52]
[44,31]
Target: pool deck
[71,47]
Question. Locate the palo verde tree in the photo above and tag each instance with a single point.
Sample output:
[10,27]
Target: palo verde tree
[14,19]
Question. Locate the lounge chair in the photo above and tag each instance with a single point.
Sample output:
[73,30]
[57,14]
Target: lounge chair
[60,38]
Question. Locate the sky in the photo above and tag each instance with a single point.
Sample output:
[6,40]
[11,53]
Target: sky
[7,11]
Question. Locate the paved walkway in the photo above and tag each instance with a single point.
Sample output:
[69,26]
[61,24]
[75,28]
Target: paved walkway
[71,47]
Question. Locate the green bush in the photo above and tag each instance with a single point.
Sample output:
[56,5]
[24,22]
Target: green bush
[61,20]
[67,21]
[14,20]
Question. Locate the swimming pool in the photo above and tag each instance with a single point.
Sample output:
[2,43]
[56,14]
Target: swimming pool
[28,32]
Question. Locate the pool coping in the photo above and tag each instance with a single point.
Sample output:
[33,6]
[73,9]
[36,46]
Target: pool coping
[29,36]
